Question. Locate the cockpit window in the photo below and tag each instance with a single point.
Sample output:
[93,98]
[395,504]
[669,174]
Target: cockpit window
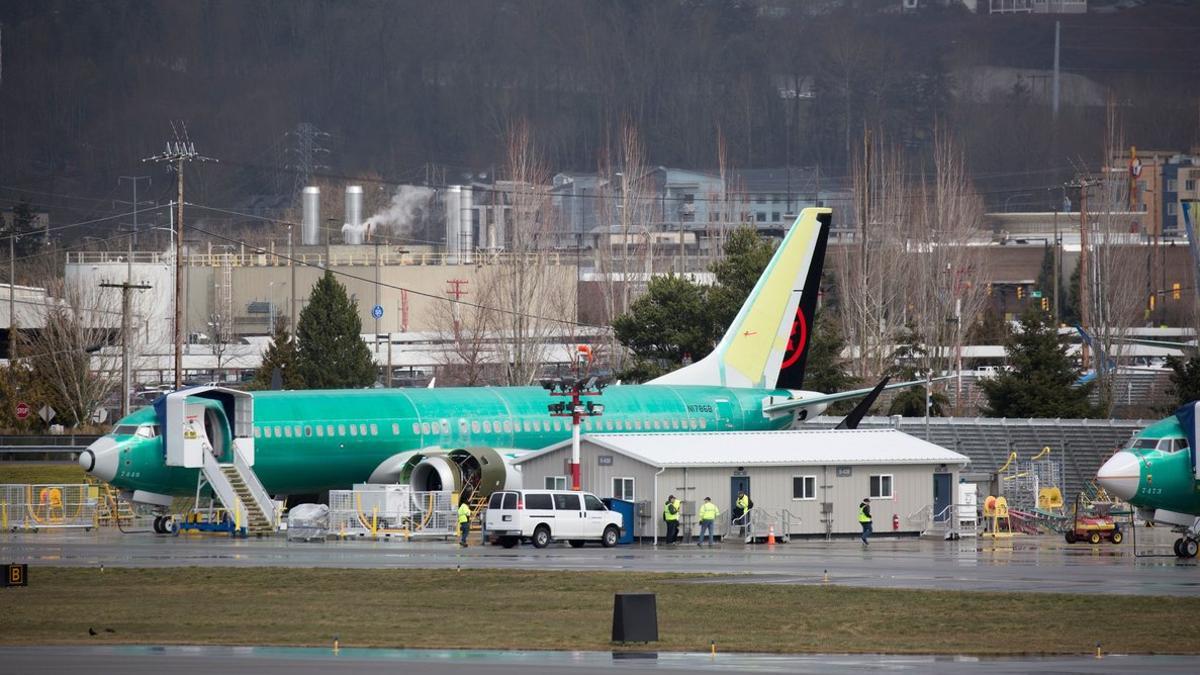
[147,430]
[124,430]
[139,430]
[1144,444]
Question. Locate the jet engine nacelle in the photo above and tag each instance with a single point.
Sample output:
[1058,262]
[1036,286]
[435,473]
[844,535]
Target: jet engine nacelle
[477,470]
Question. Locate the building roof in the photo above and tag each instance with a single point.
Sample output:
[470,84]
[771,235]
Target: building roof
[770,448]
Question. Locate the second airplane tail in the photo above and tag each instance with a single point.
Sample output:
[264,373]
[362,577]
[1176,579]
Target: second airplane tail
[766,346]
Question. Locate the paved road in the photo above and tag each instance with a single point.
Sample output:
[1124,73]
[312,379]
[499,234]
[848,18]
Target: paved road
[1040,564]
[304,661]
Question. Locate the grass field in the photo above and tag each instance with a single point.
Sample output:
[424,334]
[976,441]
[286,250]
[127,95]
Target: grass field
[40,472]
[568,610]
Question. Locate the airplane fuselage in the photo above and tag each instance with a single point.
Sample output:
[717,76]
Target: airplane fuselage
[1154,471]
[316,440]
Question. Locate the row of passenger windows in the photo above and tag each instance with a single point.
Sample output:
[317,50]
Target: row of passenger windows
[477,426]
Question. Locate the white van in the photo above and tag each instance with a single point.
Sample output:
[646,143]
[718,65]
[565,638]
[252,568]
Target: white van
[538,516]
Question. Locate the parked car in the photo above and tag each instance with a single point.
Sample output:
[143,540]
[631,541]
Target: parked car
[542,516]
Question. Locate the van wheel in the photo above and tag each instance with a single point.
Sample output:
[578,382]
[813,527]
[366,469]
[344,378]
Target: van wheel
[508,542]
[576,543]
[541,537]
[610,537]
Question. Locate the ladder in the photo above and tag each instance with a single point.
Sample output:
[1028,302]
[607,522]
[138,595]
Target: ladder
[477,503]
[111,509]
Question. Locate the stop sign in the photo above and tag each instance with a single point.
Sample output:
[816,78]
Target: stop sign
[22,410]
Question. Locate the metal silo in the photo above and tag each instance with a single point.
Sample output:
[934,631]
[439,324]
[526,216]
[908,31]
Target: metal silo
[310,227]
[452,202]
[353,231]
[466,226]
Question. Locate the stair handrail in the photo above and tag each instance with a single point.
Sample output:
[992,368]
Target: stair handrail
[219,482]
[261,497]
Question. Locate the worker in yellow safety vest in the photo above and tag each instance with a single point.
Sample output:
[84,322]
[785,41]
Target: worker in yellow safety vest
[741,511]
[708,516]
[864,519]
[671,515]
[464,523]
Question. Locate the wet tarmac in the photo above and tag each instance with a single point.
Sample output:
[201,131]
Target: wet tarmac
[1021,564]
[302,661]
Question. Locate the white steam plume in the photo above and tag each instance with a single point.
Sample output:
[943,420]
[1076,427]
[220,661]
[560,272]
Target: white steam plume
[403,214]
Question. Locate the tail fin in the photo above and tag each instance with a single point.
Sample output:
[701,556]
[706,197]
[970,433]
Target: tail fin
[767,343]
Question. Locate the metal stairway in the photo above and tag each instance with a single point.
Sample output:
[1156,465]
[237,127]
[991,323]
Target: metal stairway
[243,496]
[477,503]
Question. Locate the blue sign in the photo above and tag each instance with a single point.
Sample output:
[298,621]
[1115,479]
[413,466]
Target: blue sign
[377,311]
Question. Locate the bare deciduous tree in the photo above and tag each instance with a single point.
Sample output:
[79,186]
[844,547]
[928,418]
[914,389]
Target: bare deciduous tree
[74,354]
[468,331]
[530,297]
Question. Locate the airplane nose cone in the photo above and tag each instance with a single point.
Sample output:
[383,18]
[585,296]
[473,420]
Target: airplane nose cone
[1120,475]
[101,458]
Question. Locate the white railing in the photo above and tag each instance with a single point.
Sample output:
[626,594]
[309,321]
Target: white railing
[219,483]
[261,497]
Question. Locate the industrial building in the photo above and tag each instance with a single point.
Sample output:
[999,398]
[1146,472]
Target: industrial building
[807,483]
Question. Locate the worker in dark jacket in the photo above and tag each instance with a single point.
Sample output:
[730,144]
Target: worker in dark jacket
[864,519]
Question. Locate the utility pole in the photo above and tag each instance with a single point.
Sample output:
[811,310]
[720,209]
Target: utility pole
[12,289]
[1083,184]
[293,319]
[176,153]
[126,371]
[1057,253]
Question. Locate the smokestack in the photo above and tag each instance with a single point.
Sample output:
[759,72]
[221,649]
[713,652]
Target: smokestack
[352,231]
[310,226]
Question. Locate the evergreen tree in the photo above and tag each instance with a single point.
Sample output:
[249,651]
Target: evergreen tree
[280,354]
[1041,380]
[826,369]
[22,225]
[746,256]
[910,402]
[671,321]
[331,353]
[1185,381]
[1070,309]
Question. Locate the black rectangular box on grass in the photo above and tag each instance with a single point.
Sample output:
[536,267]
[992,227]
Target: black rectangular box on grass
[635,618]
[16,575]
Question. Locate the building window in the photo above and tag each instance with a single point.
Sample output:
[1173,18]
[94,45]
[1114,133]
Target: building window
[774,216]
[1171,209]
[623,489]
[760,216]
[1189,185]
[804,487]
[1173,185]
[881,486]
[556,482]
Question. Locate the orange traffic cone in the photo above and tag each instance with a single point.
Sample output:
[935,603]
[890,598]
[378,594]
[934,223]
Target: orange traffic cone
[771,536]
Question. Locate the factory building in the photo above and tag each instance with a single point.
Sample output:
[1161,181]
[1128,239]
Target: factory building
[807,483]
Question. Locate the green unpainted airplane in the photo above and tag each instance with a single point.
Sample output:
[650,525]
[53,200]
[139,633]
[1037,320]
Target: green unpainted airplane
[305,442]
[1157,474]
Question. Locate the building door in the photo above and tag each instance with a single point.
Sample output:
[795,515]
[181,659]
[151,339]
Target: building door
[942,490]
[737,483]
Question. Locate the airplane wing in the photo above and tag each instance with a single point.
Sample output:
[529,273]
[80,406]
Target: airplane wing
[794,403]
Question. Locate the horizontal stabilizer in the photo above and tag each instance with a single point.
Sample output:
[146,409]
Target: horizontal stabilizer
[864,406]
[825,399]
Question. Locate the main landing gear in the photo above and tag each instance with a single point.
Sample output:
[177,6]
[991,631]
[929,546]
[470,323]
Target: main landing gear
[1186,547]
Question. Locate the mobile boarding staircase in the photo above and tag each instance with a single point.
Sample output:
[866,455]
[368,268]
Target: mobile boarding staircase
[190,433]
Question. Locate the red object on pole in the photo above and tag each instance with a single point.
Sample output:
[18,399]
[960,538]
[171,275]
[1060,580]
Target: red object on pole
[22,410]
[895,521]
